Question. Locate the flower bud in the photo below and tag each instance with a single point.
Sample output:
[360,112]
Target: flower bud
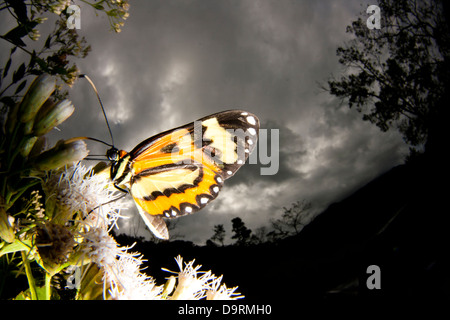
[27,145]
[38,92]
[38,147]
[52,115]
[63,153]
[6,229]
[12,118]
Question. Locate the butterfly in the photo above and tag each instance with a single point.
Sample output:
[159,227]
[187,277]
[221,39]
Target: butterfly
[180,171]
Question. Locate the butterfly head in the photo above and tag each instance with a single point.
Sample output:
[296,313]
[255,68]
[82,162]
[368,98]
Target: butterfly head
[120,167]
[113,154]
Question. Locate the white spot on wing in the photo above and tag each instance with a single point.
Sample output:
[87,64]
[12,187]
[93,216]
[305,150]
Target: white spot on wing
[188,209]
[230,172]
[251,120]
[250,141]
[219,179]
[252,131]
[204,200]
[244,113]
[216,189]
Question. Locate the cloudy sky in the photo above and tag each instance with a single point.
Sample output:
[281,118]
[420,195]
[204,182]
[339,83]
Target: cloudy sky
[177,61]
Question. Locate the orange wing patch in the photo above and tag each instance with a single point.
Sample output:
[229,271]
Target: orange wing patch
[187,194]
[173,177]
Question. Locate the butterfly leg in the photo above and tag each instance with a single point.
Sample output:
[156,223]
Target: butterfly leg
[121,189]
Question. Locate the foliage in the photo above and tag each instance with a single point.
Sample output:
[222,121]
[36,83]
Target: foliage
[241,233]
[293,220]
[397,76]
[56,215]
[55,52]
[219,234]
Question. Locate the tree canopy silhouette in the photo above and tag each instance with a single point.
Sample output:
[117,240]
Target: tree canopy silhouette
[292,221]
[219,234]
[241,233]
[397,75]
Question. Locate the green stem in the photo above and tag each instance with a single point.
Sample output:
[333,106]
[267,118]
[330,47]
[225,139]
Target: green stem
[12,197]
[30,277]
[48,287]
[9,150]
[95,6]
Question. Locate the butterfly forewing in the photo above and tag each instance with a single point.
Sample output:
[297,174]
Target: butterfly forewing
[179,171]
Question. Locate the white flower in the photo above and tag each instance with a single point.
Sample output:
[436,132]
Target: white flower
[122,273]
[76,189]
[191,287]
[194,284]
[128,282]
[58,6]
[37,204]
[221,292]
[100,247]
[34,35]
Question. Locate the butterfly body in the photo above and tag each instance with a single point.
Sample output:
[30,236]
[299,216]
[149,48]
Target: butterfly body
[180,171]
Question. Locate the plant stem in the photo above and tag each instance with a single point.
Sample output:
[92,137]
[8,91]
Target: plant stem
[48,287]
[30,278]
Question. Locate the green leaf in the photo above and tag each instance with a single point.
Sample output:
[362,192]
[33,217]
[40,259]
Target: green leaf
[17,245]
[48,42]
[15,35]
[8,64]
[42,64]
[19,73]
[41,295]
[21,86]
[8,101]
[20,9]
[98,6]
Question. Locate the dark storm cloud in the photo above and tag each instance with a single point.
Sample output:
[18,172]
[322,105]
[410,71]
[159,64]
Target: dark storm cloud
[279,155]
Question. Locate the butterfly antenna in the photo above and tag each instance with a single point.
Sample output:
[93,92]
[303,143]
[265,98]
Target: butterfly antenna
[88,138]
[101,104]
[108,202]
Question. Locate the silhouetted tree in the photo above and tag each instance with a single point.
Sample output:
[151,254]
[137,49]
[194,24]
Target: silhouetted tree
[210,243]
[259,236]
[241,233]
[397,76]
[292,221]
[219,234]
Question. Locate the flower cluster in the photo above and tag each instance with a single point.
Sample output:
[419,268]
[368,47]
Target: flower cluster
[118,13]
[55,6]
[59,214]
[194,284]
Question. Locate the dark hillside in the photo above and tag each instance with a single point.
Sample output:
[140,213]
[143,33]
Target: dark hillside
[396,222]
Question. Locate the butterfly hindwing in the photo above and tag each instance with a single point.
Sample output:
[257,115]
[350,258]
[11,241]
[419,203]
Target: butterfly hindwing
[156,224]
[180,171]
